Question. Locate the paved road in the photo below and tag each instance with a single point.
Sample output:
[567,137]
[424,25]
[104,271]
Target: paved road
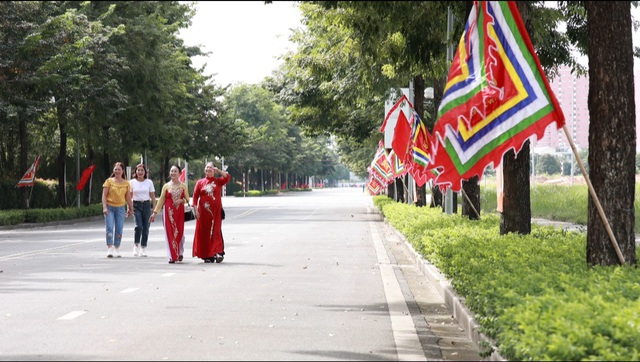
[308,276]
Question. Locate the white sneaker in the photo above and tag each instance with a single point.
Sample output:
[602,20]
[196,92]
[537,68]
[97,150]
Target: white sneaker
[136,250]
[110,251]
[117,253]
[143,251]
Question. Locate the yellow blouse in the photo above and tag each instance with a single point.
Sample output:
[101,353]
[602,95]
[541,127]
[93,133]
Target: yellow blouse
[117,195]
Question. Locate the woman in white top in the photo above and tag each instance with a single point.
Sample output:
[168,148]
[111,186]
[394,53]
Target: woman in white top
[143,195]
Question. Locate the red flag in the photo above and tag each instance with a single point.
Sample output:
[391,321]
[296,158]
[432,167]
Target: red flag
[30,175]
[86,174]
[183,175]
[401,137]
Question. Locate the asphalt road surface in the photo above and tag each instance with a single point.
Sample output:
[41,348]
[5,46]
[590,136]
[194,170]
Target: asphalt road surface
[306,276]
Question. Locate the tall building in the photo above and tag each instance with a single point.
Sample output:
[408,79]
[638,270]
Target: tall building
[572,93]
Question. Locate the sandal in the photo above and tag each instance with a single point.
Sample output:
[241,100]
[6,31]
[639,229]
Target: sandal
[180,258]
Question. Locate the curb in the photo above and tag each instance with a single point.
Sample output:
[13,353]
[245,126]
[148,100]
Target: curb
[454,303]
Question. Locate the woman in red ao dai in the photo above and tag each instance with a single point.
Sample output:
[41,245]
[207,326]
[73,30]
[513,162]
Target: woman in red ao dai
[208,243]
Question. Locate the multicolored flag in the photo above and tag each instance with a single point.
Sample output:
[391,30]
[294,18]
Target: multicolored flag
[380,164]
[373,185]
[30,175]
[86,174]
[420,151]
[397,166]
[496,97]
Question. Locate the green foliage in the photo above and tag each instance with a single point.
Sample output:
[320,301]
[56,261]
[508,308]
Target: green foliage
[254,193]
[533,294]
[547,164]
[15,217]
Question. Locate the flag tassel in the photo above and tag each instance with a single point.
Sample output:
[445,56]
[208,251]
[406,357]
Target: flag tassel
[594,196]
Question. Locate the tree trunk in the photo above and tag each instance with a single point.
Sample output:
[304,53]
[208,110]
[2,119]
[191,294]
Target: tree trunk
[391,190]
[471,188]
[516,206]
[436,197]
[612,131]
[24,146]
[62,157]
[400,189]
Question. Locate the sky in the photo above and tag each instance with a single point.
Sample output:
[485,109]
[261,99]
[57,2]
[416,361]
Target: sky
[244,38]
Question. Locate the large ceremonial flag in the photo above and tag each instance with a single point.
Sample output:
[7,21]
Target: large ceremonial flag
[86,175]
[30,175]
[496,97]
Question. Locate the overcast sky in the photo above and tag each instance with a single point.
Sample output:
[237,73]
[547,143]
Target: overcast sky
[244,38]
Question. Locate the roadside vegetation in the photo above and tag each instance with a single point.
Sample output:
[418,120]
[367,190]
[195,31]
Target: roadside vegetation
[534,295]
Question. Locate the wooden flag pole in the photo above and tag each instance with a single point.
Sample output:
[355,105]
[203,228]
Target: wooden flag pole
[470,203]
[594,196]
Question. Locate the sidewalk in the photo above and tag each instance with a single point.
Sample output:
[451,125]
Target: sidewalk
[455,328]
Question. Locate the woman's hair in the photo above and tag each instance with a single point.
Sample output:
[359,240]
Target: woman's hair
[118,164]
[135,171]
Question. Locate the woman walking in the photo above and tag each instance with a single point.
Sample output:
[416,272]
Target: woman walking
[143,194]
[115,195]
[208,243]
[173,197]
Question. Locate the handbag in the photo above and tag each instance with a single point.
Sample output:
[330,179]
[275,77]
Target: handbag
[188,214]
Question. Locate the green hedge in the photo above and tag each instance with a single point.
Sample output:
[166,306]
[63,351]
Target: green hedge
[14,217]
[533,294]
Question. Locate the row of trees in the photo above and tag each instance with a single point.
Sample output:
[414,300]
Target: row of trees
[96,82]
[351,54]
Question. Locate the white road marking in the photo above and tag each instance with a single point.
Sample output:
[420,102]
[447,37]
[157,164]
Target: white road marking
[72,315]
[129,290]
[42,251]
[408,345]
[168,274]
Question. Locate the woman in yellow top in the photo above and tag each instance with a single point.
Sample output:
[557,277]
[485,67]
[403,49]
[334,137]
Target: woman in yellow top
[173,196]
[115,195]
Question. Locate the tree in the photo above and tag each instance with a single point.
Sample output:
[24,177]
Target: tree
[553,49]
[611,131]
[65,46]
[548,164]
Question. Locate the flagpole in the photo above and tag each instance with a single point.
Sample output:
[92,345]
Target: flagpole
[470,203]
[30,193]
[594,196]
[90,180]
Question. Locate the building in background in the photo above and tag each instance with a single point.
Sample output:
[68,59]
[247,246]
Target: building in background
[572,93]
